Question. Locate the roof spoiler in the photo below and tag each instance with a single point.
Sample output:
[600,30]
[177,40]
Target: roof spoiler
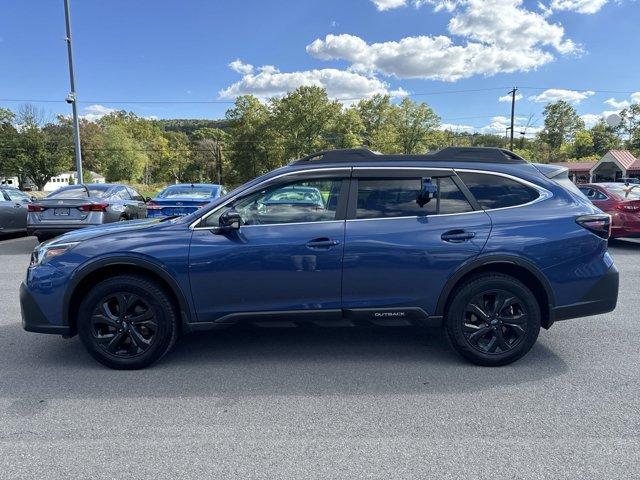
[551,171]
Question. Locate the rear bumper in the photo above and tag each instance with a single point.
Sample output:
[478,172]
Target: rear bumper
[602,298]
[33,320]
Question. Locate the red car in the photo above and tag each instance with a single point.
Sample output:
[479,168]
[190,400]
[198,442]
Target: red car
[621,201]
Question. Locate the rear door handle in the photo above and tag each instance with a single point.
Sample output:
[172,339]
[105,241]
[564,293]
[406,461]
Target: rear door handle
[322,243]
[457,236]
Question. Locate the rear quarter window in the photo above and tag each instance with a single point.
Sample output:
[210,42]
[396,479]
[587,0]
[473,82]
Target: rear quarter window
[493,191]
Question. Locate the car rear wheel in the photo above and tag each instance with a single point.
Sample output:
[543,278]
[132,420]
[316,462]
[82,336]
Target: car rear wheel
[127,322]
[493,319]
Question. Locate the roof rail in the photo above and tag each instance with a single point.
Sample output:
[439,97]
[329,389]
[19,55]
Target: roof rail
[449,154]
[477,154]
[339,155]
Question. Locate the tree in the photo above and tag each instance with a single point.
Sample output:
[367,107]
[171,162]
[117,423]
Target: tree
[303,120]
[561,122]
[147,135]
[252,140]
[8,140]
[209,145]
[42,151]
[582,145]
[177,161]
[413,123]
[122,157]
[377,117]
[604,137]
[347,129]
[630,126]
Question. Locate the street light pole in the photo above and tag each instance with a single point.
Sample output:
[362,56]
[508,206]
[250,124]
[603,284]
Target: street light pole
[71,98]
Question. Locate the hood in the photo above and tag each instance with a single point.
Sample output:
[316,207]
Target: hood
[98,231]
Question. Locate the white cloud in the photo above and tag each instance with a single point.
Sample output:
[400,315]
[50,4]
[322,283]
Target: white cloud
[499,125]
[620,104]
[590,119]
[96,112]
[238,66]
[580,6]
[507,97]
[556,94]
[383,5]
[635,97]
[340,85]
[507,24]
[433,58]
[452,127]
[500,36]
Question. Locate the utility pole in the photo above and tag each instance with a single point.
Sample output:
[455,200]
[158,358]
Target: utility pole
[71,98]
[513,113]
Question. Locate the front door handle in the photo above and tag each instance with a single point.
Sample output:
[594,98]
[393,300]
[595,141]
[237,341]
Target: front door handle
[457,236]
[322,243]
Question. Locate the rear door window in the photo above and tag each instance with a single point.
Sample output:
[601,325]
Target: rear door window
[494,191]
[398,197]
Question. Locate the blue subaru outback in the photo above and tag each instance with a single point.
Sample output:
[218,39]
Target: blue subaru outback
[475,240]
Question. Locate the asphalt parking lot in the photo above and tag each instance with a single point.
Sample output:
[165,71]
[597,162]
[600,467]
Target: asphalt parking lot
[324,403]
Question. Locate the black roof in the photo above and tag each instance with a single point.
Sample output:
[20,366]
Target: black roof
[449,154]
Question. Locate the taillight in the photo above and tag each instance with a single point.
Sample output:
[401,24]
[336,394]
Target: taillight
[628,207]
[35,208]
[153,206]
[600,224]
[94,207]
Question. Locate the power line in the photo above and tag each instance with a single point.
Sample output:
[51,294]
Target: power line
[230,102]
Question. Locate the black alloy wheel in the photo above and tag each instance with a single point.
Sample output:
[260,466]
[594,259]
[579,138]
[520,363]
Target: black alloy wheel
[124,324]
[495,321]
[128,321]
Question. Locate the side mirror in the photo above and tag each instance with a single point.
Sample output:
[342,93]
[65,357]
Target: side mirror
[428,192]
[147,199]
[230,220]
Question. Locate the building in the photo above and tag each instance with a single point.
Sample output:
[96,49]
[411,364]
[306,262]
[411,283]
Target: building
[613,165]
[61,180]
[69,178]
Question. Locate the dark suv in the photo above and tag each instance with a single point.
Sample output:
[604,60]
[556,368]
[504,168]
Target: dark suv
[475,240]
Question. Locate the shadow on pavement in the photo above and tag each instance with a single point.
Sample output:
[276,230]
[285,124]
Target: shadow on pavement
[624,244]
[250,361]
[14,244]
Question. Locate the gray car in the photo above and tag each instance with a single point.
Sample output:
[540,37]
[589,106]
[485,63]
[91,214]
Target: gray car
[80,206]
[13,210]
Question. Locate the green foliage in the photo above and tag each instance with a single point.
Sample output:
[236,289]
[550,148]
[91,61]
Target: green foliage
[257,136]
[413,123]
[561,122]
[122,157]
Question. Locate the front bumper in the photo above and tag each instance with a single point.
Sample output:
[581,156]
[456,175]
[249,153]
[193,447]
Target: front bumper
[33,320]
[602,298]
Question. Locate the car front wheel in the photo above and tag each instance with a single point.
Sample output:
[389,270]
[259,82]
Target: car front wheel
[493,319]
[127,322]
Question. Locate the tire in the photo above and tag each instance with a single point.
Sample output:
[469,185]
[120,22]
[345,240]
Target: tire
[502,329]
[127,322]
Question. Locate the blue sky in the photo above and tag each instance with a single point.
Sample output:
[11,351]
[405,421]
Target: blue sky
[163,50]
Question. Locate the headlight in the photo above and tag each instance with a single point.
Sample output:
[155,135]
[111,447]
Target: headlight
[43,253]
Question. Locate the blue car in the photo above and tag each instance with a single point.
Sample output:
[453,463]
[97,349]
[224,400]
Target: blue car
[183,199]
[477,241]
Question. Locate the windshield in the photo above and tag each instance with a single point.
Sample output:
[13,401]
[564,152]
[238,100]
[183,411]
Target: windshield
[631,192]
[188,191]
[80,191]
